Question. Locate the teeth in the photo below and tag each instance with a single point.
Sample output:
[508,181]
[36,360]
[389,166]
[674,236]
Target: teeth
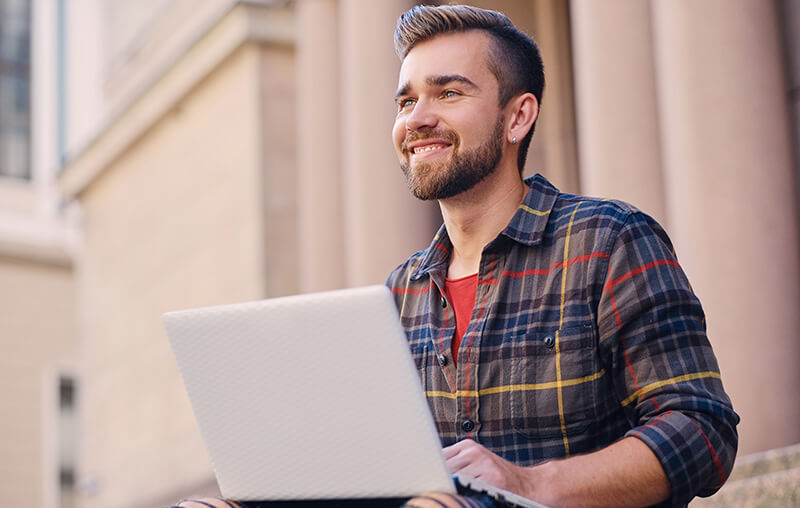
[426,148]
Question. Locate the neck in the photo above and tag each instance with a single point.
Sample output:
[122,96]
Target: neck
[475,218]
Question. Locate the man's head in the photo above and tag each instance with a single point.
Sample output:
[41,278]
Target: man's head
[512,57]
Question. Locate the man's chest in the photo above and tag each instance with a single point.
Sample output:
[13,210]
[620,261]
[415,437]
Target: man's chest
[529,377]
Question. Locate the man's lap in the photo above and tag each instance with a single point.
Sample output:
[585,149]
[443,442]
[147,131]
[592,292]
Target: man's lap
[431,500]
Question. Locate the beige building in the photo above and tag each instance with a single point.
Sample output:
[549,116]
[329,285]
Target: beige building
[190,153]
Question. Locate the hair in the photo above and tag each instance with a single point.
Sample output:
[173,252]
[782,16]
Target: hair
[514,58]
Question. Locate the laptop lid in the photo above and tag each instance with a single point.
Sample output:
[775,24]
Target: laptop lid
[309,397]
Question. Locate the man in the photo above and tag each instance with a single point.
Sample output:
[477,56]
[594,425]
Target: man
[561,348]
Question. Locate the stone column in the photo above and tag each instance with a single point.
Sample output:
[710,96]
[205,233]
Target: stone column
[319,139]
[553,150]
[789,14]
[620,155]
[730,197]
[383,222]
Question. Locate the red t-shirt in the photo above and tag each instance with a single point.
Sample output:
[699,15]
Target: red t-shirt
[461,294]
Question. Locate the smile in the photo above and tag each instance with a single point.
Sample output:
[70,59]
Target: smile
[428,148]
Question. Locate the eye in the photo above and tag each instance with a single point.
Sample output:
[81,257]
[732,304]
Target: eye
[404,103]
[449,94]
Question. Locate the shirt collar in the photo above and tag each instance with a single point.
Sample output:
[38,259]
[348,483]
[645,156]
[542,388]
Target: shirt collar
[436,256]
[526,227]
[528,223]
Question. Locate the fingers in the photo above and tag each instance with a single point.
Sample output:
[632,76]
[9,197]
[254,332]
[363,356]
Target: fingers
[455,449]
[474,460]
[458,463]
[463,454]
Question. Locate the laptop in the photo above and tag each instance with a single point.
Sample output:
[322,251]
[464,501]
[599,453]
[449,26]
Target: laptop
[312,397]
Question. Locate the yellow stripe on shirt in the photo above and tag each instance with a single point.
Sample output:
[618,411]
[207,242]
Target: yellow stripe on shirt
[560,324]
[515,388]
[534,212]
[673,380]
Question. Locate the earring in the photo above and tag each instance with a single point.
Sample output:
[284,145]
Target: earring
[514,140]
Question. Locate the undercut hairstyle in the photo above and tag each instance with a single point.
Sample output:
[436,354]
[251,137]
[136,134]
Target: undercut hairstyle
[513,58]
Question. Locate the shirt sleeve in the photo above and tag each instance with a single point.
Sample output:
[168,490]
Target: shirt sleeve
[652,330]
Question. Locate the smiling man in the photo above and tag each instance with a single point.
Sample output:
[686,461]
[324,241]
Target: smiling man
[559,343]
[560,346]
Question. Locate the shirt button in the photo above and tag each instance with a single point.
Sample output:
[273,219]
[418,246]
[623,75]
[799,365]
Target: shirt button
[549,341]
[443,301]
[442,359]
[467,425]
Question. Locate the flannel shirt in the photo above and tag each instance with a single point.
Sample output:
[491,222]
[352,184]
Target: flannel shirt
[585,330]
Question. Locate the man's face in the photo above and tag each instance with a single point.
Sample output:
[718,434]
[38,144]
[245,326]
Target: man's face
[449,128]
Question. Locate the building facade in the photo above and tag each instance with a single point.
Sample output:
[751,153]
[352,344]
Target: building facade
[187,153]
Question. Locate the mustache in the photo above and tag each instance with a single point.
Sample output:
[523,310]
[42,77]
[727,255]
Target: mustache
[428,133]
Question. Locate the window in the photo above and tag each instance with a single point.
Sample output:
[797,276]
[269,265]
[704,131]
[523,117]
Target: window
[67,437]
[15,16]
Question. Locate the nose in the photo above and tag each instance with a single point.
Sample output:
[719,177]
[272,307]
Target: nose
[423,115]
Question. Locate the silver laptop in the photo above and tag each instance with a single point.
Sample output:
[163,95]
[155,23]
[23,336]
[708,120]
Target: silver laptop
[312,397]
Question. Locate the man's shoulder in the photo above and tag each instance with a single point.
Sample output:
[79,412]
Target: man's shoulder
[565,209]
[601,222]
[615,209]
[602,216]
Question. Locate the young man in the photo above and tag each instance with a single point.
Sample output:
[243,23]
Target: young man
[561,348]
[562,351]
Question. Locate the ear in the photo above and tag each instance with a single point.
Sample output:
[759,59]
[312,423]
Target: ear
[523,111]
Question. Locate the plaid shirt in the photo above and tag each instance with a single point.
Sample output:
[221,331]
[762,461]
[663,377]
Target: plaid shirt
[585,329]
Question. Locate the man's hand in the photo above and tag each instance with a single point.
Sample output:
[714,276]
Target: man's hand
[624,474]
[472,459]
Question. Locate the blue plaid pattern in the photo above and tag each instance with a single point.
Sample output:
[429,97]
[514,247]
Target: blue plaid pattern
[585,330]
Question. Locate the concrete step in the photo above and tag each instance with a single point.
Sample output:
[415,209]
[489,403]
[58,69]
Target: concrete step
[769,479]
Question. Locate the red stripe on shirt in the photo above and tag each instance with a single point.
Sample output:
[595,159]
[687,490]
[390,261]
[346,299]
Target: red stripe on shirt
[559,264]
[410,291]
[624,348]
[628,362]
[622,340]
[614,306]
[652,424]
[637,271]
[717,462]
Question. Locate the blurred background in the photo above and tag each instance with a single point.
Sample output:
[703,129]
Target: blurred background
[164,154]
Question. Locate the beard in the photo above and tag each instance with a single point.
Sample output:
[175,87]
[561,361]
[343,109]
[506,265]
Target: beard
[460,173]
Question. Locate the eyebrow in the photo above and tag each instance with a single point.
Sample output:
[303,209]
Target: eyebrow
[438,80]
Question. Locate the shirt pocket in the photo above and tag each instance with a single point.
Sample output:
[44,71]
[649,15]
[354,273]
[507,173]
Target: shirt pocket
[544,364]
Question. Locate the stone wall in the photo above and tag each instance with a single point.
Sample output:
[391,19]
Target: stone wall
[769,479]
